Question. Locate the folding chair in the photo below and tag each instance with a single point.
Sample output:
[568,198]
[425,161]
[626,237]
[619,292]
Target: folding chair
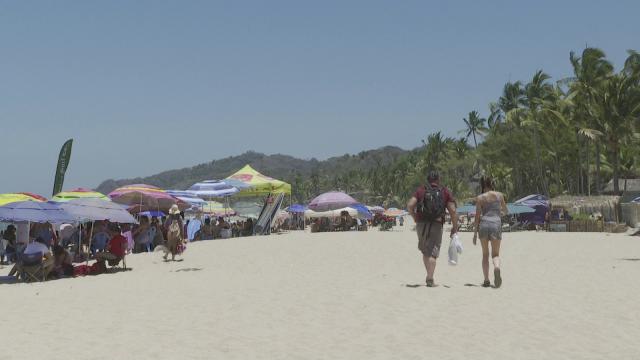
[31,267]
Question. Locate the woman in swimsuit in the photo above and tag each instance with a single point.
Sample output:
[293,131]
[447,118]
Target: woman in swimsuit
[490,206]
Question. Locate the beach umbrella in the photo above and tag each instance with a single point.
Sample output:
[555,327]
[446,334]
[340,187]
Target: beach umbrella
[151,197]
[363,211]
[215,208]
[89,209]
[34,196]
[215,188]
[394,212]
[332,200]
[17,197]
[35,211]
[79,193]
[376,209]
[310,214]
[296,209]
[187,196]
[152,214]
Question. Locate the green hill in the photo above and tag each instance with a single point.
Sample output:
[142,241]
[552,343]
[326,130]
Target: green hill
[308,177]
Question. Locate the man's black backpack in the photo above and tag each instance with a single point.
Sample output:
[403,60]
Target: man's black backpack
[432,205]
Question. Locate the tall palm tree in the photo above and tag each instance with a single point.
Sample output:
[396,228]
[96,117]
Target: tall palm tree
[475,125]
[618,108]
[590,71]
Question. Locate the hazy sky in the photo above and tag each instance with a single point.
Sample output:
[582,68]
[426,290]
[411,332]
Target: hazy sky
[145,86]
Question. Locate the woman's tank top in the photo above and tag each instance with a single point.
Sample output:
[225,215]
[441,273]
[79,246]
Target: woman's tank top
[492,211]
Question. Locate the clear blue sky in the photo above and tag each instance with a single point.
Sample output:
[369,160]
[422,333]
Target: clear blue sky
[145,86]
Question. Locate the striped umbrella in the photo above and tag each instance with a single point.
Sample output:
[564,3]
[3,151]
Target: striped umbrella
[79,193]
[146,196]
[17,197]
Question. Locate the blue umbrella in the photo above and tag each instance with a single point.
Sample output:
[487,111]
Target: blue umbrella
[362,210]
[297,208]
[216,188]
[33,211]
[153,213]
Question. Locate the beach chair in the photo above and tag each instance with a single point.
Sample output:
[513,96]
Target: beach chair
[31,267]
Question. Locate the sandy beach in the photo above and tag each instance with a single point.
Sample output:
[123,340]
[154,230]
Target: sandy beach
[340,296]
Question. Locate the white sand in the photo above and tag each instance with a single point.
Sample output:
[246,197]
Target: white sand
[339,296]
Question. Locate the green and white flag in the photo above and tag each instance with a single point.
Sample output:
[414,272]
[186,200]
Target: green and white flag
[63,164]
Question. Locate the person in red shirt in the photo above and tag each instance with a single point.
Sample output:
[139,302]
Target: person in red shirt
[116,247]
[430,230]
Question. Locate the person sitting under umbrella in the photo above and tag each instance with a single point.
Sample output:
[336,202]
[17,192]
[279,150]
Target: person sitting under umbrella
[116,248]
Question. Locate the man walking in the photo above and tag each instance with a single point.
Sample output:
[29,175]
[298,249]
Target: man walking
[427,206]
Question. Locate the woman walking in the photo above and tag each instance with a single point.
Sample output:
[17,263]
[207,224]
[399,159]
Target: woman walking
[490,206]
[175,233]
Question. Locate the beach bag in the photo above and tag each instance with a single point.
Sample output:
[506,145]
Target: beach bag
[455,248]
[432,206]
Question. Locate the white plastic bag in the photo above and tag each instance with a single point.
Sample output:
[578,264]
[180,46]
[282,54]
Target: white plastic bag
[455,248]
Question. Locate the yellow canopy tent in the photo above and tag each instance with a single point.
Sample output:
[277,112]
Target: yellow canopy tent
[258,184]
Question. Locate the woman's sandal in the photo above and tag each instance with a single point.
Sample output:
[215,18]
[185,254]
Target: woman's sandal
[486,283]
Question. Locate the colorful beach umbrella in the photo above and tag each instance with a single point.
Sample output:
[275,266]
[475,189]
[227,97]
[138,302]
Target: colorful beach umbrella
[142,195]
[17,197]
[331,201]
[79,193]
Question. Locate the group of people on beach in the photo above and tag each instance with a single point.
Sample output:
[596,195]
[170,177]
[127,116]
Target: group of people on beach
[428,207]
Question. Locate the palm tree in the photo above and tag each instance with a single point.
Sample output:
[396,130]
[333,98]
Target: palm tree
[475,125]
[618,108]
[590,71]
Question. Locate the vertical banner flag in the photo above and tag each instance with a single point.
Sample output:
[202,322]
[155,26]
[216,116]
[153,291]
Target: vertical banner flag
[63,163]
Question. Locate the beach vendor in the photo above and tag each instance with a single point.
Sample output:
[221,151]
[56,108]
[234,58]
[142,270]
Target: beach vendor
[427,206]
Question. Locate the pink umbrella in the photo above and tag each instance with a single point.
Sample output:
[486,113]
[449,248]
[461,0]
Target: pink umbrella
[332,200]
[146,196]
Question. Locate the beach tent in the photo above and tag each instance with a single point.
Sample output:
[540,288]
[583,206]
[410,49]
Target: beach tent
[257,184]
[539,203]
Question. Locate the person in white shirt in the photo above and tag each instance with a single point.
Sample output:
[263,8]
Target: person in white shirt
[37,247]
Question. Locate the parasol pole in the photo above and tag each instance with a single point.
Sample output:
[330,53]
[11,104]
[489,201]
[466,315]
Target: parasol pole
[93,223]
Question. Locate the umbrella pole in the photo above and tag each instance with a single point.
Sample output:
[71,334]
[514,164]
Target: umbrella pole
[93,223]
